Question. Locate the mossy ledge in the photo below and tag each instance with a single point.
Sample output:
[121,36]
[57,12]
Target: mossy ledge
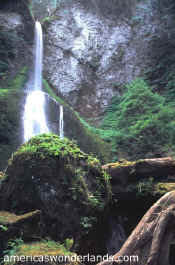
[41,252]
[7,218]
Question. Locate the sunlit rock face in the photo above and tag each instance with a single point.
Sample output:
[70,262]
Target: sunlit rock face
[90,52]
[10,21]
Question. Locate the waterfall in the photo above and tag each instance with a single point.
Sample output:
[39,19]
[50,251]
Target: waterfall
[34,110]
[38,56]
[61,123]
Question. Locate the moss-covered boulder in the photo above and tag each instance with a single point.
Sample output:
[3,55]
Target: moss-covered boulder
[56,177]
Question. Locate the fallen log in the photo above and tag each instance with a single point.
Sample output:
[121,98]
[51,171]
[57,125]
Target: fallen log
[151,239]
[144,167]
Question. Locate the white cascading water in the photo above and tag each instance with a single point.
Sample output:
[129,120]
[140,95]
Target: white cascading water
[61,123]
[34,111]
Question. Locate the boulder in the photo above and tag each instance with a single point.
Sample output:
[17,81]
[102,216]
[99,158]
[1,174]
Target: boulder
[56,177]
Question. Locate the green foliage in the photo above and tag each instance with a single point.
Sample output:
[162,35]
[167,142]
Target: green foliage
[2,176]
[68,243]
[145,187]
[48,90]
[3,228]
[52,245]
[13,247]
[141,123]
[47,145]
[88,222]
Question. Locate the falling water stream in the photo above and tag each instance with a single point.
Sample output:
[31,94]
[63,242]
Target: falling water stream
[34,111]
[61,125]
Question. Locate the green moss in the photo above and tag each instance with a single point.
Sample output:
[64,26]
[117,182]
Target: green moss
[47,145]
[162,188]
[16,83]
[49,90]
[44,248]
[103,148]
[3,92]
[20,79]
[2,176]
[13,247]
[7,218]
[123,163]
[150,187]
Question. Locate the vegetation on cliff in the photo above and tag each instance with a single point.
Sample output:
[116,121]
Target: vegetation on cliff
[140,123]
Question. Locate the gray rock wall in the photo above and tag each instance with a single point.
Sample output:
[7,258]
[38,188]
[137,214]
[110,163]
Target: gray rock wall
[90,54]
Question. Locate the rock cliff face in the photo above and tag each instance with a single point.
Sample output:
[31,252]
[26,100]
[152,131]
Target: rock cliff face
[16,38]
[15,58]
[91,51]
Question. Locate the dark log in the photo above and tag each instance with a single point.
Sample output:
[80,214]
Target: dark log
[152,237]
[145,167]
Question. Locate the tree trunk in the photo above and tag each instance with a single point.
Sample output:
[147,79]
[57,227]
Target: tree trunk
[151,239]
